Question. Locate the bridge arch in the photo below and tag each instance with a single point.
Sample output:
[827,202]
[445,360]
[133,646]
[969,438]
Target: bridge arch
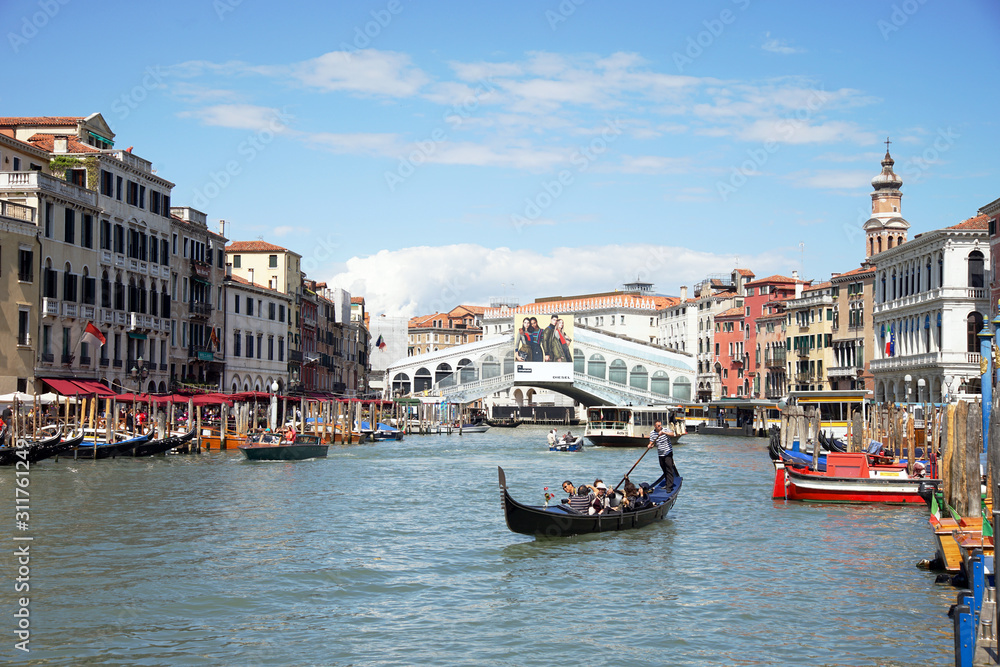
[639,377]
[401,383]
[660,383]
[467,371]
[596,366]
[443,375]
[618,372]
[422,379]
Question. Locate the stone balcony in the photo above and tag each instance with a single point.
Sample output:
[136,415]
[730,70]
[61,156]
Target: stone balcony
[36,181]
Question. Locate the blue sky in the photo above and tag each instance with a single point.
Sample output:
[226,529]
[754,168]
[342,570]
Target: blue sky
[425,154]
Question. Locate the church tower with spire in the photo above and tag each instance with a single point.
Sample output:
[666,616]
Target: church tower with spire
[886,228]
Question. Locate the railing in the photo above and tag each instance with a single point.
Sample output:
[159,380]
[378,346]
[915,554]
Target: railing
[69,309]
[107,257]
[85,361]
[295,355]
[956,292]
[842,372]
[775,359]
[36,180]
[50,307]
[17,211]
[87,312]
[103,362]
[24,340]
[47,357]
[200,308]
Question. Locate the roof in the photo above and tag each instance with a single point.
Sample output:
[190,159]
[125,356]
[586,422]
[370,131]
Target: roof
[46,142]
[475,310]
[978,222]
[855,272]
[732,312]
[426,320]
[776,279]
[813,288]
[358,299]
[745,272]
[52,121]
[243,281]
[254,246]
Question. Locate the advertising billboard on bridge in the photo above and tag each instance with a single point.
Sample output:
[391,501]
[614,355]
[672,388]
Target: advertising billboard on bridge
[543,347]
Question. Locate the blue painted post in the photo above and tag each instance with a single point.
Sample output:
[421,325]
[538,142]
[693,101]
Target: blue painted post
[978,576]
[961,616]
[986,378]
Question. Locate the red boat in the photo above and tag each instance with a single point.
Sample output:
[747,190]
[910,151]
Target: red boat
[851,478]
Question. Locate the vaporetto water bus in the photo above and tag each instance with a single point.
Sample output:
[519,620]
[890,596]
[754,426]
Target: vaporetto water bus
[629,425]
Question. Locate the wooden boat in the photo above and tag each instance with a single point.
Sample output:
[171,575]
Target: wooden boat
[159,446]
[271,447]
[88,449]
[561,521]
[381,431]
[211,439]
[12,454]
[42,452]
[851,478]
[504,423]
[575,446]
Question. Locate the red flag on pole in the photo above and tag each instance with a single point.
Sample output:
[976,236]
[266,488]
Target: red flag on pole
[93,335]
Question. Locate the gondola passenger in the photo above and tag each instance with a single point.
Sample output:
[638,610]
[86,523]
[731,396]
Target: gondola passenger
[582,501]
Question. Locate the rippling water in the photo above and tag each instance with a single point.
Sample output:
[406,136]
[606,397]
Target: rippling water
[397,554]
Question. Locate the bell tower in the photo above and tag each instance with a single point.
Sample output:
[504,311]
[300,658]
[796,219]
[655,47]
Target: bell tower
[886,228]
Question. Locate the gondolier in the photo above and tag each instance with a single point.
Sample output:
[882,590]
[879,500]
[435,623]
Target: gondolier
[663,440]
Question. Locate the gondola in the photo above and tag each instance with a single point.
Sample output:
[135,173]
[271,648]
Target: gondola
[40,452]
[9,455]
[561,521]
[153,447]
[106,450]
[504,423]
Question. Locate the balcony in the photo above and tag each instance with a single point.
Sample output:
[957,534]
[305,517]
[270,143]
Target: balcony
[69,310]
[87,312]
[775,359]
[85,361]
[34,181]
[9,209]
[295,355]
[50,307]
[66,359]
[842,372]
[200,309]
[117,363]
[921,298]
[203,353]
[47,357]
[107,258]
[103,363]
[928,359]
[804,377]
[140,322]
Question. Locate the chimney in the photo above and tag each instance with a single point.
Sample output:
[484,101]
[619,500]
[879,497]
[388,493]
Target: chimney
[684,293]
[60,144]
[795,275]
[798,290]
[229,269]
[222,227]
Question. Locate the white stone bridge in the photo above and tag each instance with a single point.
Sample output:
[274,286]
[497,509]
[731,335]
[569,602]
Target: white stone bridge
[607,370]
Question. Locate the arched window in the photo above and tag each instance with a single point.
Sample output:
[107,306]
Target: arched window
[928,274]
[639,378]
[618,372]
[973,323]
[976,278]
[142,296]
[491,367]
[401,383]
[579,362]
[894,292]
[467,372]
[596,366]
[879,244]
[154,299]
[889,243]
[660,383]
[422,379]
[443,375]
[119,292]
[105,290]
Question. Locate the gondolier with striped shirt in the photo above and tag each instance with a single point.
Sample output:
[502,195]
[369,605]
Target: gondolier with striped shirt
[663,440]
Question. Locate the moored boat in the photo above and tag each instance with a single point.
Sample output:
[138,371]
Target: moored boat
[562,521]
[88,449]
[159,446]
[851,478]
[271,447]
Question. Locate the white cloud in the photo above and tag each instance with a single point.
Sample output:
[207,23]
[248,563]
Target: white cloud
[359,143]
[367,72]
[778,46]
[471,274]
[828,179]
[794,131]
[654,164]
[240,116]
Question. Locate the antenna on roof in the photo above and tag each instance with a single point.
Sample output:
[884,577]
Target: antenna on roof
[260,238]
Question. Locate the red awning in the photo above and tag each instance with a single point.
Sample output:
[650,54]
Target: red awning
[64,387]
[91,387]
[211,399]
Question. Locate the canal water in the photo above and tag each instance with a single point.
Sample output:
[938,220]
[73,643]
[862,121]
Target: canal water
[398,554]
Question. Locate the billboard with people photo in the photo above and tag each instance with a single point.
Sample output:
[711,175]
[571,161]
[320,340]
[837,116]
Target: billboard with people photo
[543,347]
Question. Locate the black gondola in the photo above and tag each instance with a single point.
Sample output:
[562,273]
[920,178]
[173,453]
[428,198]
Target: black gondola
[9,455]
[504,422]
[153,447]
[88,450]
[41,452]
[561,521]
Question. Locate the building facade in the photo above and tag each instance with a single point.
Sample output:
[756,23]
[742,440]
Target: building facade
[255,336]
[809,338]
[931,298]
[852,329]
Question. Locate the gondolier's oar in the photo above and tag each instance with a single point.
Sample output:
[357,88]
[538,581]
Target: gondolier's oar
[631,469]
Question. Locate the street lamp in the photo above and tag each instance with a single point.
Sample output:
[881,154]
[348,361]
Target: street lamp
[946,388]
[909,384]
[921,383]
[139,371]
[274,406]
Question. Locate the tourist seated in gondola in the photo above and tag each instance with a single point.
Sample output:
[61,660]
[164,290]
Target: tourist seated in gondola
[582,501]
[630,493]
[568,487]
